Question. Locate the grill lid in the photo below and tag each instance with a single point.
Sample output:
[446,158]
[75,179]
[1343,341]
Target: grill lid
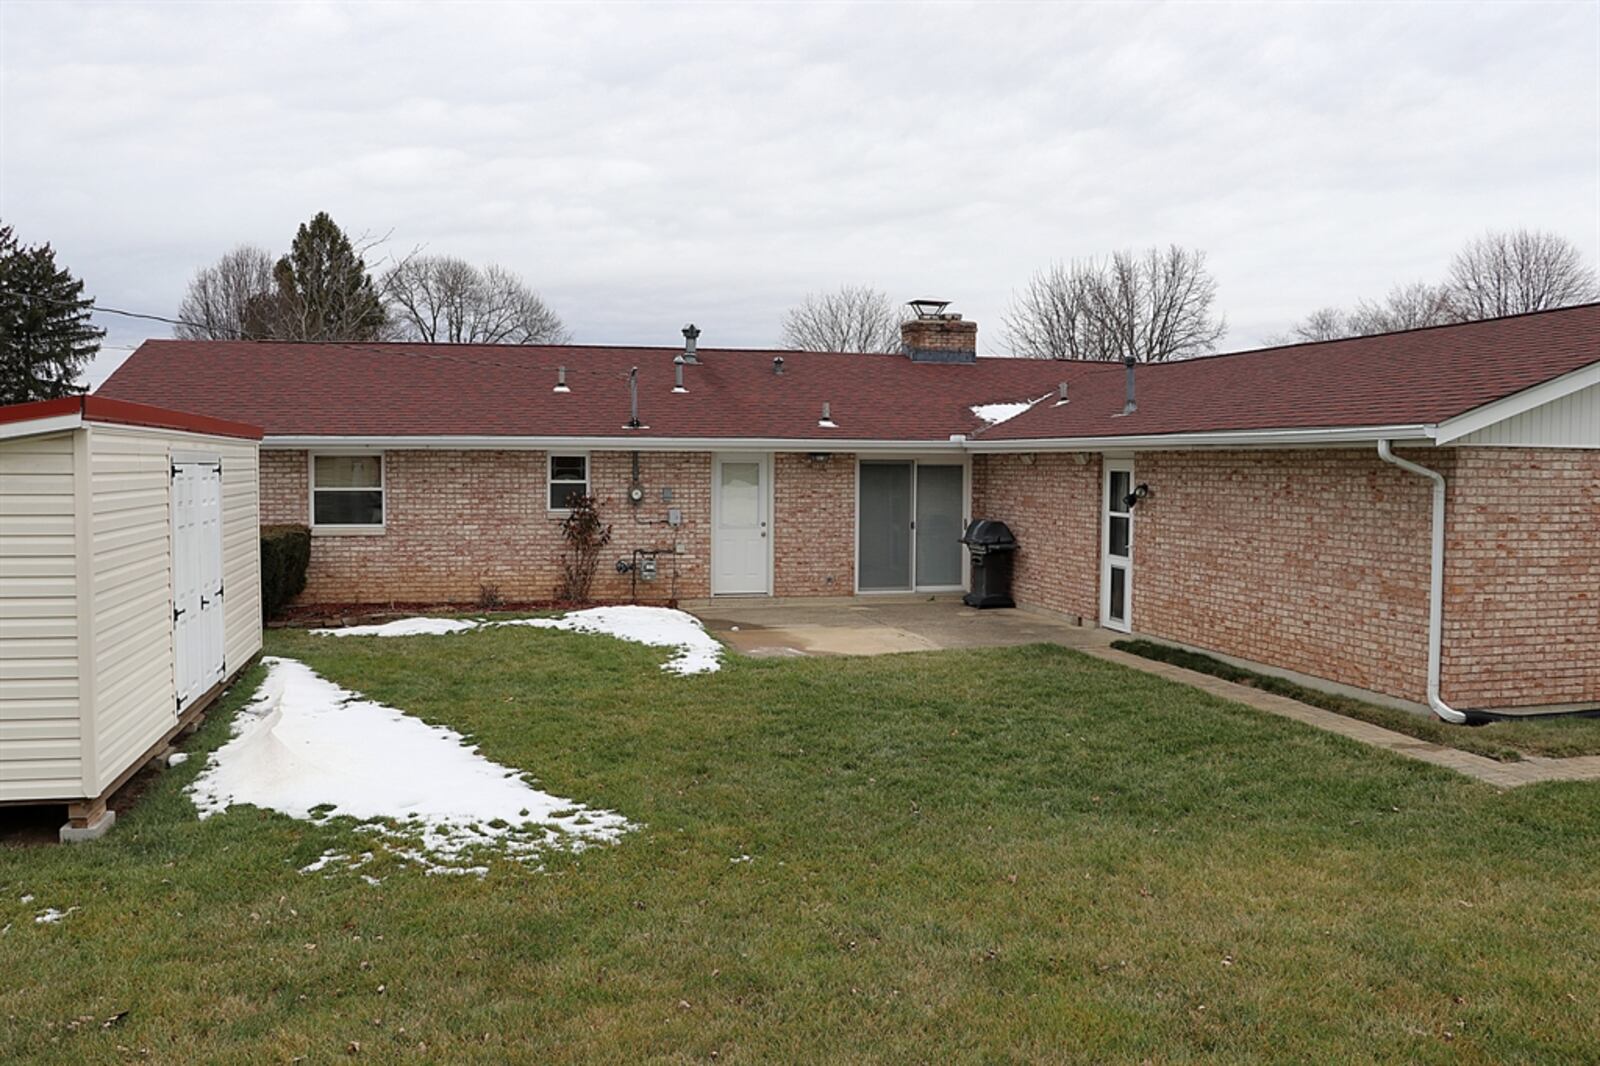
[989,533]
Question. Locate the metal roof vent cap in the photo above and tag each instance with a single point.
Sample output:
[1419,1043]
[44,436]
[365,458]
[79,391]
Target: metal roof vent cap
[777,365]
[929,308]
[691,333]
[677,374]
[561,380]
[826,421]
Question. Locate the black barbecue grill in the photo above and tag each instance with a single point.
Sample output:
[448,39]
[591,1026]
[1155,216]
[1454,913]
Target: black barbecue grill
[990,543]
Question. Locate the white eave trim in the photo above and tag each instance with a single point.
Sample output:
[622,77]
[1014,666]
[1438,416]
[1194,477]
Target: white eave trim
[1241,438]
[1252,438]
[35,427]
[1536,396]
[643,443]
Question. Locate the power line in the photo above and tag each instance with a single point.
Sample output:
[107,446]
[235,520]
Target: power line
[410,348]
[96,308]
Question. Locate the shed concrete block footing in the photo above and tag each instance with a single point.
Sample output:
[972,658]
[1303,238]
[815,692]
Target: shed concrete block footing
[93,830]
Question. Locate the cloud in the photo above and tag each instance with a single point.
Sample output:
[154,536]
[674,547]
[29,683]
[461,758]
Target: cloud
[644,165]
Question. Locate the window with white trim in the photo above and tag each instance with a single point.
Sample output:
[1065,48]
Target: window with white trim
[569,479]
[347,491]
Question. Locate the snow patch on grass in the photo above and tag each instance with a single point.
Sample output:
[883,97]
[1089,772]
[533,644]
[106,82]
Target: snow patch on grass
[404,627]
[312,750]
[659,627]
[50,916]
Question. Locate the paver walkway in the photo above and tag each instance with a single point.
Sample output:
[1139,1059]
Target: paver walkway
[757,628]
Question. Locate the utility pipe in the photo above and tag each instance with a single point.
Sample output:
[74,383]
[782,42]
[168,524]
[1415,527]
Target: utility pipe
[1435,582]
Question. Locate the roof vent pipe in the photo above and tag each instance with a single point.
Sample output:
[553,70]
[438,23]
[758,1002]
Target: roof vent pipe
[826,421]
[633,399]
[1129,405]
[777,364]
[691,333]
[561,380]
[1061,394]
[677,374]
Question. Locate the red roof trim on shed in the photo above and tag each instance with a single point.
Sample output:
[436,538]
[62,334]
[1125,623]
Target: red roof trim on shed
[126,413]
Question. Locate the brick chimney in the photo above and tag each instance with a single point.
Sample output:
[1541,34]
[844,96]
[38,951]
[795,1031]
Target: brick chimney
[933,335]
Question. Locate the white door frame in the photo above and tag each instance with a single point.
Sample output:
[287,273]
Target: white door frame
[1110,466]
[767,499]
[914,458]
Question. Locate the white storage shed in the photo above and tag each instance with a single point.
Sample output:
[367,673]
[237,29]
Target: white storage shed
[130,590]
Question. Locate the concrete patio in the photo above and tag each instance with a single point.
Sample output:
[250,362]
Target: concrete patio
[767,629]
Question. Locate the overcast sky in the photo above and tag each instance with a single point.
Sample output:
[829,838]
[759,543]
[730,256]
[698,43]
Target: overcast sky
[644,166]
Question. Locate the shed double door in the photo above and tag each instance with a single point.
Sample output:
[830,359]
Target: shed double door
[197,629]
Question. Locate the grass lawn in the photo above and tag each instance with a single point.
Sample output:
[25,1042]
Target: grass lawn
[1556,736]
[1015,854]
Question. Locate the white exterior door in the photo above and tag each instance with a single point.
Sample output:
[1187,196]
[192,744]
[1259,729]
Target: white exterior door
[741,542]
[1116,538]
[197,629]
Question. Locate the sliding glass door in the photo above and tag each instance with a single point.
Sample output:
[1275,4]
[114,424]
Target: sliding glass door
[885,520]
[910,517]
[939,526]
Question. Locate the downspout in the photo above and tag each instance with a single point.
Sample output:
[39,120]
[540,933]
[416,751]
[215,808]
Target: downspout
[1435,582]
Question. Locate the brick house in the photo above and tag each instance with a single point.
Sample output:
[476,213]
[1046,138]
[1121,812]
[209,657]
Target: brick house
[1277,506]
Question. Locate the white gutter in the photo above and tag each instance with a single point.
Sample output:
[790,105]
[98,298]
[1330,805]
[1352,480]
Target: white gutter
[643,441]
[1435,582]
[648,442]
[1236,438]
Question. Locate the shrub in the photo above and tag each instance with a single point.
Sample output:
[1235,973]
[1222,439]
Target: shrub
[285,553]
[586,536]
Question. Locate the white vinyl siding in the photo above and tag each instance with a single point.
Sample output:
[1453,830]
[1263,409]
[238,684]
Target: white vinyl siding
[1573,421]
[86,638]
[131,477]
[40,730]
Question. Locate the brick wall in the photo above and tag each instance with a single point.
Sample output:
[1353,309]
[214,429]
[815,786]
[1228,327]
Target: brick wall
[814,510]
[457,520]
[1522,564]
[1309,560]
[284,489]
[1052,505]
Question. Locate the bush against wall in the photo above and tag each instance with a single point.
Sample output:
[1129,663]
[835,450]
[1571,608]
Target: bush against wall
[285,554]
[586,536]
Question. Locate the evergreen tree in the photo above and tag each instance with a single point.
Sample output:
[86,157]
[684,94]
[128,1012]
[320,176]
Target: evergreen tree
[46,336]
[323,291]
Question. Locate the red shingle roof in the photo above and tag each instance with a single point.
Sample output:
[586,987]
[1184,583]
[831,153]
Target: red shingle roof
[396,390]
[506,390]
[1420,377]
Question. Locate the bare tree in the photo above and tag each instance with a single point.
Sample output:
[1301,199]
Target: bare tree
[1512,273]
[442,299]
[1155,306]
[1323,324]
[852,318]
[215,304]
[1497,274]
[1413,306]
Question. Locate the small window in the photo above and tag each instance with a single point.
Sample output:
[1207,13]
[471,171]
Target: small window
[347,490]
[569,479]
